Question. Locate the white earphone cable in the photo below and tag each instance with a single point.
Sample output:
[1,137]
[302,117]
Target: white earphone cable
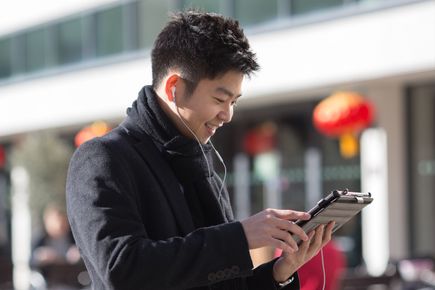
[203,152]
[223,164]
[323,269]
[197,140]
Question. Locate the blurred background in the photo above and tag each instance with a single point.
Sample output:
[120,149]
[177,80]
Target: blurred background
[345,98]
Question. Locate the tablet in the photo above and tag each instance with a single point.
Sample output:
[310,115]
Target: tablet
[338,206]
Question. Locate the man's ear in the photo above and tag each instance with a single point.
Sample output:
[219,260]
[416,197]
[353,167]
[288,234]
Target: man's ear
[171,83]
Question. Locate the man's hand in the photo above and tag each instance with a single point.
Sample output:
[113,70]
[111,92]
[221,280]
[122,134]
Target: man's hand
[290,262]
[273,227]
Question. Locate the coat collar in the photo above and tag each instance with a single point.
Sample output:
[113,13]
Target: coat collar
[166,178]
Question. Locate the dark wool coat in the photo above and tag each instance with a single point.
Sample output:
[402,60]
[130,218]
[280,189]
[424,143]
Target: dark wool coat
[134,228]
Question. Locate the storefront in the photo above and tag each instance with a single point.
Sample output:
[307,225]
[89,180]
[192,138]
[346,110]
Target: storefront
[279,160]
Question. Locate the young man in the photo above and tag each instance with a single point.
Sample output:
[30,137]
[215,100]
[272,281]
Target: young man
[147,209]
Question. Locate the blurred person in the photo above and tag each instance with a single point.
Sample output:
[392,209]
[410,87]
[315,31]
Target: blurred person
[56,244]
[145,205]
[55,247]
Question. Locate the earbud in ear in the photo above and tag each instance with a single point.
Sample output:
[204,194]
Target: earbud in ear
[173,94]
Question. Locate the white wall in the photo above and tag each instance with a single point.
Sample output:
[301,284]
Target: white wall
[363,47]
[72,98]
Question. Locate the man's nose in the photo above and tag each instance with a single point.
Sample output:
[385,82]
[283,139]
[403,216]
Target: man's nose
[226,114]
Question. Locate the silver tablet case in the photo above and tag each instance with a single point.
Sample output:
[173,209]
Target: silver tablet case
[338,206]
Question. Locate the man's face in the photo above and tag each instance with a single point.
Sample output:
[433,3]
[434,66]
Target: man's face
[209,106]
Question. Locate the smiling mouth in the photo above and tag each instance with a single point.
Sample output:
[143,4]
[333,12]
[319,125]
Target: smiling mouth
[212,128]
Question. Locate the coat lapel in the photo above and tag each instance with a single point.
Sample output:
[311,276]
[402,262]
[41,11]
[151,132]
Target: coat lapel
[169,183]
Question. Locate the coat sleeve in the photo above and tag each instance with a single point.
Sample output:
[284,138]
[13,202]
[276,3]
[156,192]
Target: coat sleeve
[105,218]
[262,278]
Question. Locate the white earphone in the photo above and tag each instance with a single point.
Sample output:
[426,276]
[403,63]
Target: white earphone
[173,94]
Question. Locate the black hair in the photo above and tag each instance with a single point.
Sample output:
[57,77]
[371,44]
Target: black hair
[201,45]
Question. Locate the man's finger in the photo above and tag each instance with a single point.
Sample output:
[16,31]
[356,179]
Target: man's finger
[285,237]
[291,227]
[305,244]
[327,235]
[316,242]
[280,244]
[289,214]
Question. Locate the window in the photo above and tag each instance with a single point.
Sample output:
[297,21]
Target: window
[306,6]
[5,58]
[110,29]
[18,53]
[35,49]
[202,5]
[69,35]
[255,11]
[153,14]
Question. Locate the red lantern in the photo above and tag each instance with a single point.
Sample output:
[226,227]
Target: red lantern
[343,115]
[96,129]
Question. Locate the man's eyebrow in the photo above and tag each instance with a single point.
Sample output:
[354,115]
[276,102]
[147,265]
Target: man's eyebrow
[227,92]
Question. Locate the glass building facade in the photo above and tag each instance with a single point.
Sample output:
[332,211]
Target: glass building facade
[132,26]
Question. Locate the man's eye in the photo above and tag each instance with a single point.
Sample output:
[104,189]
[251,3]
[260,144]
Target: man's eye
[219,100]
[234,103]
